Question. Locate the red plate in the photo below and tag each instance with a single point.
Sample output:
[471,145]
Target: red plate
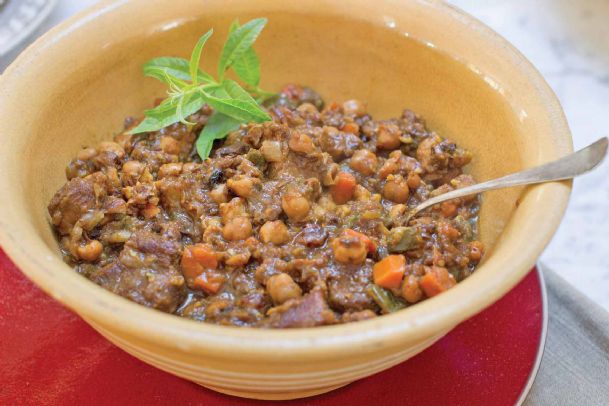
[48,355]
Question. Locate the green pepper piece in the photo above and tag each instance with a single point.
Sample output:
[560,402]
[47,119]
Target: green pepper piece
[402,239]
[384,299]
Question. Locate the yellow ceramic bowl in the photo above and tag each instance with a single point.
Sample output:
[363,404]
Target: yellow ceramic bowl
[74,86]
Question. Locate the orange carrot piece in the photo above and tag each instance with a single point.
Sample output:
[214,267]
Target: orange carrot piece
[436,281]
[370,245]
[197,258]
[210,281]
[343,189]
[388,272]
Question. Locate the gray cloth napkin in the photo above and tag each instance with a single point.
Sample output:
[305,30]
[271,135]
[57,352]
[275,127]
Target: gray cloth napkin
[575,365]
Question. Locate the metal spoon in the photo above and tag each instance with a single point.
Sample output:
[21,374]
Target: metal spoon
[566,167]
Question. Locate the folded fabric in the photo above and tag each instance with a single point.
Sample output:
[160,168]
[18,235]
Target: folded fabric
[575,365]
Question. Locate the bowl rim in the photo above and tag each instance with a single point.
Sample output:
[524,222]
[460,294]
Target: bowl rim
[308,344]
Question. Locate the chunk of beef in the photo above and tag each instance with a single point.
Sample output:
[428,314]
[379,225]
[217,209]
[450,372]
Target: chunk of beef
[313,235]
[145,272]
[347,290]
[309,311]
[74,199]
[338,144]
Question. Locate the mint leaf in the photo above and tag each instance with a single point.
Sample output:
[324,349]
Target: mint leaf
[247,67]
[195,57]
[235,91]
[177,67]
[163,75]
[233,101]
[240,110]
[218,126]
[238,42]
[170,111]
[190,88]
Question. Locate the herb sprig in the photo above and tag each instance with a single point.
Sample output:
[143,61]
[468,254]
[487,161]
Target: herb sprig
[190,87]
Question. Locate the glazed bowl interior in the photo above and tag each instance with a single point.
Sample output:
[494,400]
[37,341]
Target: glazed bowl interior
[74,87]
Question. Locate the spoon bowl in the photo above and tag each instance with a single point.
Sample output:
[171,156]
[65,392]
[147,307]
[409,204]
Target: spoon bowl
[568,167]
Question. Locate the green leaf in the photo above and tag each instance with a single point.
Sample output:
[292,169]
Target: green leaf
[177,67]
[238,42]
[233,26]
[170,111]
[218,126]
[248,66]
[233,101]
[235,91]
[163,75]
[195,57]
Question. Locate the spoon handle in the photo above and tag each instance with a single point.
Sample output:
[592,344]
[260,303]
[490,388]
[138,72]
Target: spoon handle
[567,167]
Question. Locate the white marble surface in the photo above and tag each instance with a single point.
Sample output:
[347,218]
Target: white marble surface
[568,41]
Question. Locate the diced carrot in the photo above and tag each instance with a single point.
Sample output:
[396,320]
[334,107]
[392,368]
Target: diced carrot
[448,209]
[436,280]
[197,258]
[388,272]
[344,187]
[370,245]
[352,128]
[209,281]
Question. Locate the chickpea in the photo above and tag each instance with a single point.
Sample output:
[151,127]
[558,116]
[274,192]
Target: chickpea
[109,146]
[411,291]
[240,259]
[307,109]
[281,288]
[301,143]
[172,169]
[90,251]
[241,186]
[234,208]
[271,151]
[413,180]
[390,167]
[361,193]
[388,136]
[396,190]
[295,206]
[86,154]
[170,145]
[354,107]
[236,229]
[219,194]
[364,162]
[275,232]
[350,127]
[476,249]
[133,168]
[349,249]
[189,167]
